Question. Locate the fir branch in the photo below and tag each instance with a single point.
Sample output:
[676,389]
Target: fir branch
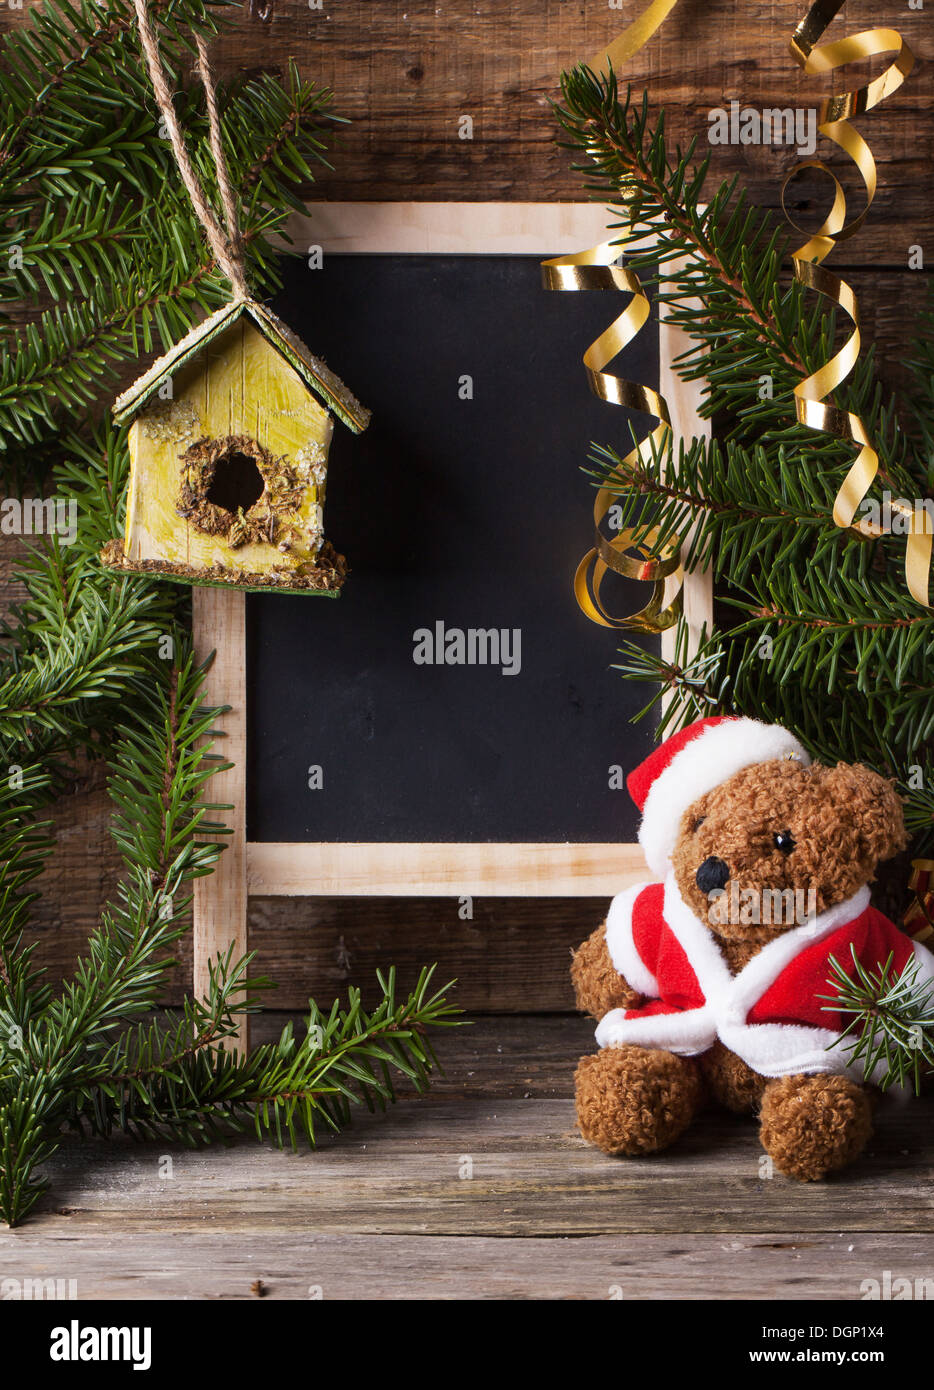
[919,398]
[25,845]
[712,498]
[65,50]
[69,247]
[95,651]
[686,688]
[123,971]
[890,1032]
[176,1083]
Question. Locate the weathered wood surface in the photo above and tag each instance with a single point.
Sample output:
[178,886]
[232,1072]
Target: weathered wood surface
[482,1189]
[533,1175]
[298,1264]
[514,955]
[405,71]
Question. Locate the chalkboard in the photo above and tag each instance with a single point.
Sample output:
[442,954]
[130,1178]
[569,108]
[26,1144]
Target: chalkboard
[463,505]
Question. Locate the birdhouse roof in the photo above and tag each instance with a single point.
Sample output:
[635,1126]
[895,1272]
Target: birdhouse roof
[315,374]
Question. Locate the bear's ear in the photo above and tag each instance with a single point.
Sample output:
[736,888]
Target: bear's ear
[874,808]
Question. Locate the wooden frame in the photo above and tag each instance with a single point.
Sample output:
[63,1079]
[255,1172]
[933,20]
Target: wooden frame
[332,869]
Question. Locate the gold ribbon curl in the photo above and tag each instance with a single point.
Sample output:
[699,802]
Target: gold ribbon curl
[634,37]
[596,269]
[811,393]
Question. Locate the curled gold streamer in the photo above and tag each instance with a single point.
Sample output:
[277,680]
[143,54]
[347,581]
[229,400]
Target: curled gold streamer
[634,37]
[811,393]
[596,269]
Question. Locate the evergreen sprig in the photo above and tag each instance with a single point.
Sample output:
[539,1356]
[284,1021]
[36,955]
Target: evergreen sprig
[891,1032]
[684,684]
[815,628]
[180,1081]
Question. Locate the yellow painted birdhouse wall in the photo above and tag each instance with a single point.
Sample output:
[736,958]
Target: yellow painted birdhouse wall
[238,387]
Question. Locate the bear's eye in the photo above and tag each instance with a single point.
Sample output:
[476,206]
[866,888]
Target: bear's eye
[784,841]
[699,822]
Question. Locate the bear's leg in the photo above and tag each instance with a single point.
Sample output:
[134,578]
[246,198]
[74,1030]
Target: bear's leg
[730,1081]
[813,1125]
[636,1100]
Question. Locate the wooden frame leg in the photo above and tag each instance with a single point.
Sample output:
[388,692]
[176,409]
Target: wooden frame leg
[220,899]
[684,401]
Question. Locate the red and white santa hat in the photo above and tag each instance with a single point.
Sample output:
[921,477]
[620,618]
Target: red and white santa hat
[693,762]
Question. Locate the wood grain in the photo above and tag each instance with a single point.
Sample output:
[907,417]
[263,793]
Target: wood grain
[220,899]
[404,71]
[432,870]
[513,954]
[473,1192]
[308,1264]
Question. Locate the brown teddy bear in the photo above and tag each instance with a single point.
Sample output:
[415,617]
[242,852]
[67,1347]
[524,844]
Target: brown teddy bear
[708,984]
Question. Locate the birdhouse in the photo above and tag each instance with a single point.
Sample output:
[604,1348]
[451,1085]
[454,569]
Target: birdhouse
[228,458]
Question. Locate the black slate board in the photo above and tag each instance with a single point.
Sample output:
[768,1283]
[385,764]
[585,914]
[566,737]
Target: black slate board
[474,513]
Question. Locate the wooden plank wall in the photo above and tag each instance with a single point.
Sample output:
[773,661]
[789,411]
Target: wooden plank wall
[405,71]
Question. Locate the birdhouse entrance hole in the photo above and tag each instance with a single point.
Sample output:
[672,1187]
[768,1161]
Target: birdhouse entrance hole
[235,488]
[237,482]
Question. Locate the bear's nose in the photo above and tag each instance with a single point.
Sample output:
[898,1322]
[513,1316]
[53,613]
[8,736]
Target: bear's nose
[712,874]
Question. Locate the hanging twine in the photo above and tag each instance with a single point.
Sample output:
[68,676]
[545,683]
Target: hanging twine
[226,245]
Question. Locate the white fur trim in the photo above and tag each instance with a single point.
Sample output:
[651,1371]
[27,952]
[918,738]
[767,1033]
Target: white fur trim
[783,1049]
[748,987]
[622,948]
[925,962]
[686,1033]
[708,760]
[771,1049]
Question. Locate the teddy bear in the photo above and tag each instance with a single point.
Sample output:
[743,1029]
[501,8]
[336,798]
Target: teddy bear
[711,983]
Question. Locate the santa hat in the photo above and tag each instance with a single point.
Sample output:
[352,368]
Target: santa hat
[693,762]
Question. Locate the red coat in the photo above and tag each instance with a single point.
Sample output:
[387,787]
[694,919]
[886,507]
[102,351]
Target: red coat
[769,1014]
